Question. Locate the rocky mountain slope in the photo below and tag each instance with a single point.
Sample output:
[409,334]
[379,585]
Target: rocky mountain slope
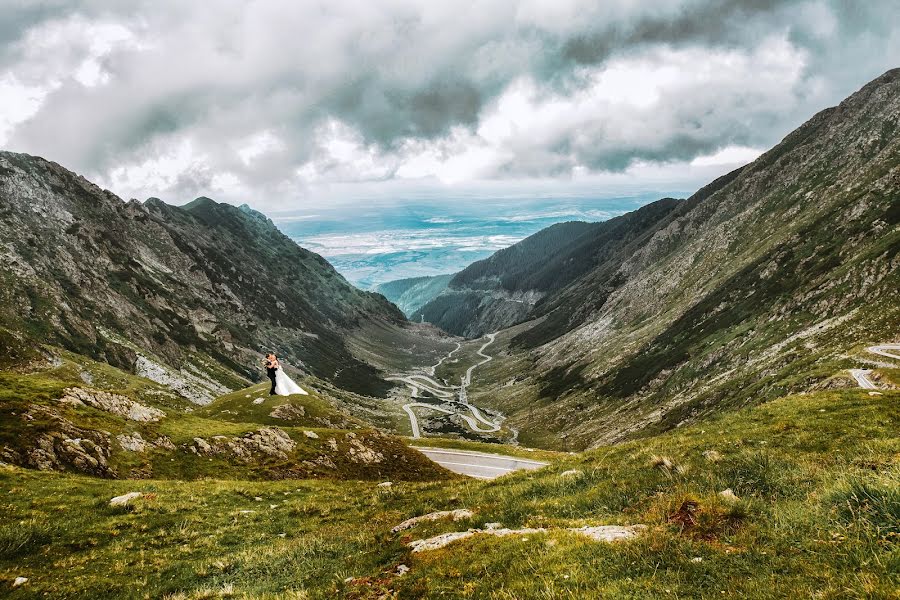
[188,296]
[503,289]
[411,294]
[755,286]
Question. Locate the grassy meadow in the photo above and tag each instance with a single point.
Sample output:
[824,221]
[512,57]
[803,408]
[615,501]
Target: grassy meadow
[817,515]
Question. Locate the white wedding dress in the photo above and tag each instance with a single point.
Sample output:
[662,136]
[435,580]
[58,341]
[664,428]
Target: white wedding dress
[285,386]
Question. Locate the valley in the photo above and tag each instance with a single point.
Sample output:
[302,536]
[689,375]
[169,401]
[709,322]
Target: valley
[695,398]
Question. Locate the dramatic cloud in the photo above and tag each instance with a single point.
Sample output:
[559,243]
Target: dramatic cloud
[281,103]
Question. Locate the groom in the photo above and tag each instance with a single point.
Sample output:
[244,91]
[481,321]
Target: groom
[270,370]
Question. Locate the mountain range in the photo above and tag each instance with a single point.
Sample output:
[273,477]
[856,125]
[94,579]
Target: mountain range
[753,287]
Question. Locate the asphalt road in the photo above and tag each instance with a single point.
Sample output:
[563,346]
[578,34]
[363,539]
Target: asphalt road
[418,383]
[478,464]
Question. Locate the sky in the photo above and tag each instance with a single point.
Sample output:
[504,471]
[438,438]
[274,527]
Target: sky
[289,105]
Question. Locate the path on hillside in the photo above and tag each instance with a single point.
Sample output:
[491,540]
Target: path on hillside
[862,375]
[418,383]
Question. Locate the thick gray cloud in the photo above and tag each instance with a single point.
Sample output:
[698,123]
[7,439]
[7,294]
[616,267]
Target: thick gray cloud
[169,98]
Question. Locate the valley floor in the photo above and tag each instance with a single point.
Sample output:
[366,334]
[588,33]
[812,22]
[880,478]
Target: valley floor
[813,511]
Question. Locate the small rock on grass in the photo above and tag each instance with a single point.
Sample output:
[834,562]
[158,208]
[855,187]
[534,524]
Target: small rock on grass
[20,581]
[385,484]
[728,495]
[258,401]
[571,473]
[455,515]
[124,499]
[310,434]
[712,456]
[401,570]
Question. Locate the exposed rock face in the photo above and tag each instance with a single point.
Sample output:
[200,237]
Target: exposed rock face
[130,283]
[112,403]
[361,453]
[135,443]
[62,446]
[266,441]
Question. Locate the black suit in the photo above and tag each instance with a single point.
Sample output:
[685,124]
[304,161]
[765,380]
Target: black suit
[270,371]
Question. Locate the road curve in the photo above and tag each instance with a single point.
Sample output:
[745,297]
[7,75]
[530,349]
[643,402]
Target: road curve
[862,375]
[862,378]
[480,465]
[889,350]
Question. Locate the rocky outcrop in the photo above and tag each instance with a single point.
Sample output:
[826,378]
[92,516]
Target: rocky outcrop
[112,403]
[360,453]
[264,442]
[134,442]
[60,445]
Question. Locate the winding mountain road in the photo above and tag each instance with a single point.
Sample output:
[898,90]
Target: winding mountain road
[862,375]
[418,383]
[467,380]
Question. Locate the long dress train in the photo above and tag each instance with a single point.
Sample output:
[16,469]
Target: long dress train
[285,386]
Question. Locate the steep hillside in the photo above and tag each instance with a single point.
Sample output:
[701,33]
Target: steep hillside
[186,295]
[754,287]
[413,293]
[503,289]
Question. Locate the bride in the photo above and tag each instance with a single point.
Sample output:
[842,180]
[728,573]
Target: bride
[284,385]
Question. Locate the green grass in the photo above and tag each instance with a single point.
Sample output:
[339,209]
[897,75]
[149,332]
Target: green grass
[817,477]
[238,407]
[29,410]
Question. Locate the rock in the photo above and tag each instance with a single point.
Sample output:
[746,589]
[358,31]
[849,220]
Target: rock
[132,443]
[124,499]
[270,441]
[571,473]
[697,559]
[310,434]
[385,484]
[712,456]
[111,403]
[20,581]
[439,541]
[728,496]
[360,453]
[601,533]
[55,452]
[610,533]
[258,400]
[492,526]
[875,394]
[455,515]
[401,570]
[288,412]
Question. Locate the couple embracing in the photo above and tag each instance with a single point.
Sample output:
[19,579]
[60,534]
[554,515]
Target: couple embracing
[282,385]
